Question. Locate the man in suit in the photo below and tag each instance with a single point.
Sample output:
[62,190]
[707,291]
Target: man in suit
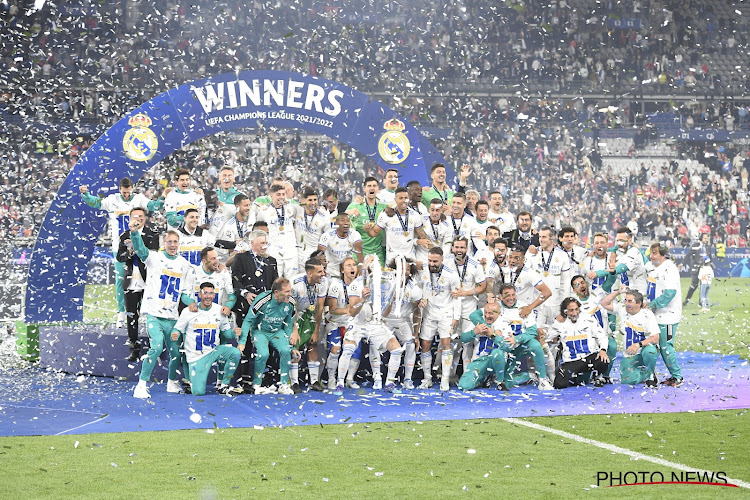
[252,274]
[523,236]
[134,279]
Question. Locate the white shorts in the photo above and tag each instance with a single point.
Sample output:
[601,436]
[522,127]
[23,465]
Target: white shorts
[432,327]
[377,335]
[402,329]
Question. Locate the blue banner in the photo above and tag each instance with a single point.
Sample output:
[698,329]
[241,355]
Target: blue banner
[171,120]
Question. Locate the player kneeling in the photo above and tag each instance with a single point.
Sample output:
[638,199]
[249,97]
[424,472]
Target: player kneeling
[493,335]
[202,329]
[584,345]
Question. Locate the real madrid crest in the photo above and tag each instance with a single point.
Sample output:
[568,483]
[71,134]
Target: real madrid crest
[393,145]
[140,142]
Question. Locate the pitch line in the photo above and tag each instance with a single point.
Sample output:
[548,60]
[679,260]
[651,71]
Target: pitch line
[617,449]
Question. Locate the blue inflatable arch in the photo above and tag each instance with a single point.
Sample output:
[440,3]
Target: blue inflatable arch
[170,121]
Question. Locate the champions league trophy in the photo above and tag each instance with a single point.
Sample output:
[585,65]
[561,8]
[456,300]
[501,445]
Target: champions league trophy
[385,285]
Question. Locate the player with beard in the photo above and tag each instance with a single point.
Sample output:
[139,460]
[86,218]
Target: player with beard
[441,313]
[340,243]
[471,284]
[438,232]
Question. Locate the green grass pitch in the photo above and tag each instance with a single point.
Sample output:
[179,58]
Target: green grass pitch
[446,459]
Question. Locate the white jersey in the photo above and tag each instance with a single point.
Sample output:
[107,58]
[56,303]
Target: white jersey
[553,267]
[576,255]
[525,282]
[178,202]
[464,226]
[503,220]
[487,255]
[635,277]
[338,249]
[167,279]
[635,327]
[593,263]
[282,239]
[666,277]
[470,274]
[233,230]
[118,211]
[202,330]
[400,237]
[412,295]
[436,289]
[365,314]
[579,339]
[338,290]
[219,217]
[478,233]
[192,244]
[513,316]
[221,280]
[309,230]
[305,295]
[590,307]
[440,235]
[387,197]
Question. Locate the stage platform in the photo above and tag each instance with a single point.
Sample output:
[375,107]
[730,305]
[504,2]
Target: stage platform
[39,401]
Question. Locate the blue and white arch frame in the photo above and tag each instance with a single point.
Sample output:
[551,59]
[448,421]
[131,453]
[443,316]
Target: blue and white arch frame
[168,122]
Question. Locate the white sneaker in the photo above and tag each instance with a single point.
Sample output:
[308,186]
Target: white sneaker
[141,392]
[285,389]
[426,383]
[351,384]
[259,389]
[445,384]
[377,384]
[408,384]
[174,387]
[122,318]
[545,385]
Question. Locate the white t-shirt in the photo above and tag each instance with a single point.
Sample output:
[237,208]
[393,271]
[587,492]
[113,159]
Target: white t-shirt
[594,263]
[503,220]
[192,244]
[201,330]
[635,277]
[465,226]
[666,277]
[399,241]
[579,339]
[338,249]
[219,217]
[118,211]
[177,201]
[635,327]
[167,279]
[338,290]
[222,282]
[525,282]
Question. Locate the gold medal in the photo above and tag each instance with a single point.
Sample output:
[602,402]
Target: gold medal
[281,228]
[546,273]
[406,233]
[257,273]
[311,308]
